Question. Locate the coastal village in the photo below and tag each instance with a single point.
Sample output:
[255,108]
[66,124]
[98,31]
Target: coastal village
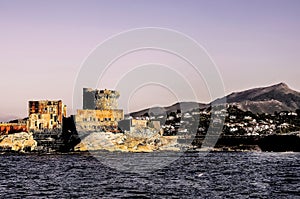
[101,125]
[47,127]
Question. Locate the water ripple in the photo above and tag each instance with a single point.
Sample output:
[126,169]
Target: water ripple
[218,175]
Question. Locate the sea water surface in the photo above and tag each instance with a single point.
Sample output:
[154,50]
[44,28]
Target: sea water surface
[215,175]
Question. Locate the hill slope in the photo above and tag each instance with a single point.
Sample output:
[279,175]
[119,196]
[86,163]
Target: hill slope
[269,99]
[168,109]
[278,97]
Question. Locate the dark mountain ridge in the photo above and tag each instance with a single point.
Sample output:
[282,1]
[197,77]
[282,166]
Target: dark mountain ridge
[278,97]
[169,109]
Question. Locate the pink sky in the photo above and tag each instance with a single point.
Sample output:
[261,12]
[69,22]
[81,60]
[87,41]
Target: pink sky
[43,43]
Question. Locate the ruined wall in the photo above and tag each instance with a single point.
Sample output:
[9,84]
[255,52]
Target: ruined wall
[145,123]
[107,99]
[139,123]
[91,120]
[46,114]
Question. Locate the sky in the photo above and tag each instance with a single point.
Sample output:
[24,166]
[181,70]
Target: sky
[43,45]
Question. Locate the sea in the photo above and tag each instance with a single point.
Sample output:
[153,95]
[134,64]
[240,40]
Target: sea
[123,175]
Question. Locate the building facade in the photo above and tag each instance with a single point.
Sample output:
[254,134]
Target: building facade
[46,114]
[131,124]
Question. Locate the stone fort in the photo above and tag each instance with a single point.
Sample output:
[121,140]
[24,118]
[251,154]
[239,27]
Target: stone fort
[100,111]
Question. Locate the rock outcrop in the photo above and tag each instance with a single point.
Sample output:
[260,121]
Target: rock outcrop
[21,142]
[126,142]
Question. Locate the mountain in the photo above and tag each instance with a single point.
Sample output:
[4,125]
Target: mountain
[269,99]
[168,109]
[278,97]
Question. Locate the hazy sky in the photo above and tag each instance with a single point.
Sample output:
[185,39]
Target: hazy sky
[43,43]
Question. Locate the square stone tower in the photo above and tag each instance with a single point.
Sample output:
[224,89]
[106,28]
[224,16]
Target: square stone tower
[100,111]
[100,99]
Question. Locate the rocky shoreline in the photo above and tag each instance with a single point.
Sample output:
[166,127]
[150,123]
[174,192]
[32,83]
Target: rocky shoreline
[104,141]
[127,143]
[19,142]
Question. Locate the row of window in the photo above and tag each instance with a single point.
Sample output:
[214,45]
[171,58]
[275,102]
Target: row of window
[102,128]
[91,119]
[97,119]
[41,125]
[52,116]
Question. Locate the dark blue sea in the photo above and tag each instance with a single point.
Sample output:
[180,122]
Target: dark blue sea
[193,175]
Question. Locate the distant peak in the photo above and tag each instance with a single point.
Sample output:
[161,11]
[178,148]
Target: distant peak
[281,85]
